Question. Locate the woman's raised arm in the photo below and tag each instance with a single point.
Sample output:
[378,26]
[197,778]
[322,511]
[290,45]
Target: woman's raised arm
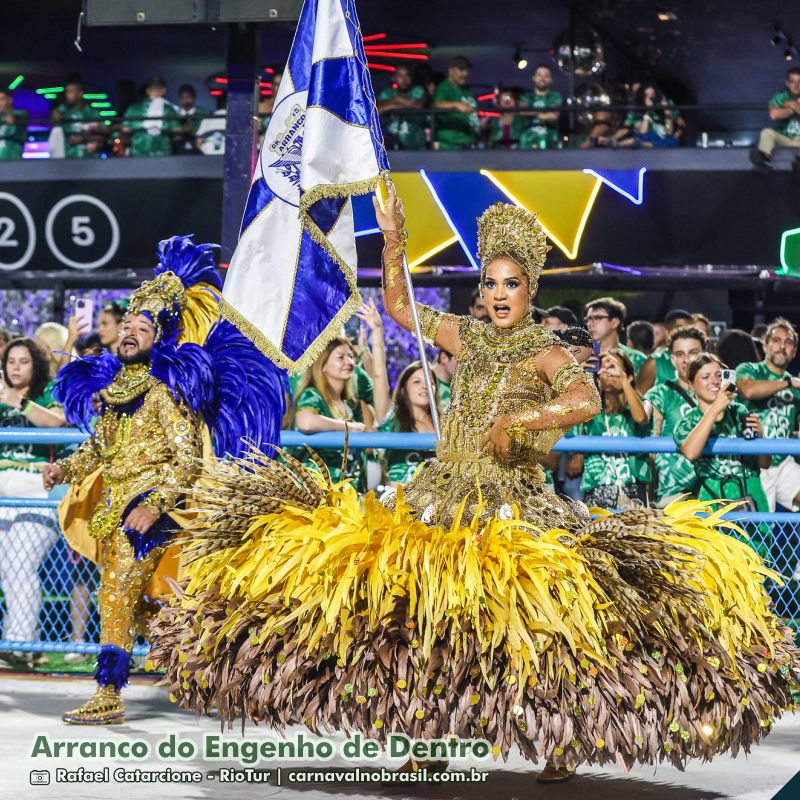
[437,327]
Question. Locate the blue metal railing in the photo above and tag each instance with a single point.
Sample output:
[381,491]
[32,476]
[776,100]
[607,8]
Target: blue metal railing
[427,441]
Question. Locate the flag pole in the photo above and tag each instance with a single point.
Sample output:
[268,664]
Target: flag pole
[386,181]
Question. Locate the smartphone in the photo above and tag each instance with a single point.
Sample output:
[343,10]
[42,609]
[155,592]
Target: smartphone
[351,328]
[84,311]
[729,378]
[593,365]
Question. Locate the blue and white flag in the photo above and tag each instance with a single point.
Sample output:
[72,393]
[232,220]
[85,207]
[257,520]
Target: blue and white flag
[293,274]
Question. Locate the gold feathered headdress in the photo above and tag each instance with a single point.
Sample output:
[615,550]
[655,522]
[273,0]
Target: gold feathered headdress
[508,230]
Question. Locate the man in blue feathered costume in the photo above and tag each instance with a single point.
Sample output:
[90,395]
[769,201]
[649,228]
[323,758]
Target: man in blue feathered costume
[185,382]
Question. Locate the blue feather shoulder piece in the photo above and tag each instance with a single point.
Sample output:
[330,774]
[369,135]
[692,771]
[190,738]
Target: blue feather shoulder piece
[192,263]
[249,393]
[79,381]
[187,371]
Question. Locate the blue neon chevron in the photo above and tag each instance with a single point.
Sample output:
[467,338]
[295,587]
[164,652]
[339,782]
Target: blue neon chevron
[319,284]
[627,182]
[259,198]
[465,195]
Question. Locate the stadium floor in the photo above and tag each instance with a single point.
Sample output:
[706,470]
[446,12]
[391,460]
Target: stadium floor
[30,707]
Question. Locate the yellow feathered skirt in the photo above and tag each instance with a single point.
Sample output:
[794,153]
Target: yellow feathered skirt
[634,639]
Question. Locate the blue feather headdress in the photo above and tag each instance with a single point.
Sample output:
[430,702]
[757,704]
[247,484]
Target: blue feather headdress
[204,360]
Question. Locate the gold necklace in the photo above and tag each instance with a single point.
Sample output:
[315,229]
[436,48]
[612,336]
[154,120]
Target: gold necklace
[130,382]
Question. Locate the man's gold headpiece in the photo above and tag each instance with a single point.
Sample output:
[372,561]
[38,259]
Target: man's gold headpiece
[165,292]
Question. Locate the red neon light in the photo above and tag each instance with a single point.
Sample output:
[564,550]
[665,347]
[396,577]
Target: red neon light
[384,54]
[482,97]
[373,36]
[413,46]
[216,92]
[384,67]
[220,80]
[269,71]
[488,113]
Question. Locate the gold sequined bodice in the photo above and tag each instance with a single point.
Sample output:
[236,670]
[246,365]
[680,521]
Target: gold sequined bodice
[496,374]
[151,449]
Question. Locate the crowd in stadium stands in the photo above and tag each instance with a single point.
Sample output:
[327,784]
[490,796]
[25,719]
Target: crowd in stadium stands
[651,377]
[667,379]
[670,378]
[420,109]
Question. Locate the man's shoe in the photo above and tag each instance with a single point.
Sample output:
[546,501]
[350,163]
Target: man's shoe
[555,774]
[760,160]
[105,708]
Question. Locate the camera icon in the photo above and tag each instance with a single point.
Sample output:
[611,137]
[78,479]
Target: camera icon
[40,777]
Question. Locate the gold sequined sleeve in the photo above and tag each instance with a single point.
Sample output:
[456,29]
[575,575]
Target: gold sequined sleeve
[436,326]
[86,459]
[576,401]
[182,431]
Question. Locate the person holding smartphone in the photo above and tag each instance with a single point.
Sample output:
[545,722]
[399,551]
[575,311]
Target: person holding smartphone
[667,403]
[78,325]
[615,480]
[719,415]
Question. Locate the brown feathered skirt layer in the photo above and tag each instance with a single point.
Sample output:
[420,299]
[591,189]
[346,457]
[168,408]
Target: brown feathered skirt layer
[634,639]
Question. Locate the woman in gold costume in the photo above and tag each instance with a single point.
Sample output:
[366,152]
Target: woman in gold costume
[476,603]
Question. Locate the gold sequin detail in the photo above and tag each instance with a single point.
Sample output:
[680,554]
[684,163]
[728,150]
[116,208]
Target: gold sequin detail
[154,449]
[496,375]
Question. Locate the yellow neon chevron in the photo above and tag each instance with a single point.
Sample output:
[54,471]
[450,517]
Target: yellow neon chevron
[430,233]
[432,252]
[563,201]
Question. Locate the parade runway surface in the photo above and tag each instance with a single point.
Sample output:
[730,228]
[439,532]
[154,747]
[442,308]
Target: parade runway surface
[30,709]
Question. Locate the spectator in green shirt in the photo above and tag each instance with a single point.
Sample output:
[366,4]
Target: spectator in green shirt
[184,136]
[605,320]
[719,415]
[508,126]
[656,122]
[784,108]
[84,134]
[457,130]
[477,306]
[402,129]
[735,347]
[327,401]
[667,404]
[659,367]
[616,480]
[25,401]
[13,127]
[410,413]
[541,127]
[641,336]
[443,370]
[769,390]
[151,122]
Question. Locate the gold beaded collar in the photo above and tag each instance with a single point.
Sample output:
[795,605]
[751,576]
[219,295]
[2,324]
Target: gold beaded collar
[520,341]
[130,382]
